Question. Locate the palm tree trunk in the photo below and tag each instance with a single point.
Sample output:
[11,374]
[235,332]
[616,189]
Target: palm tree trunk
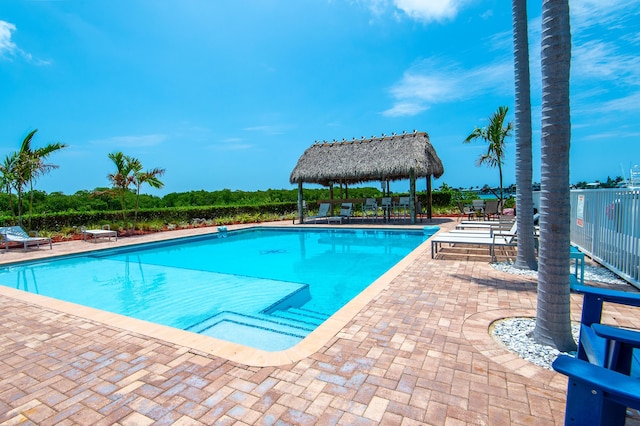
[501,190]
[553,322]
[19,207]
[526,258]
[135,219]
[30,202]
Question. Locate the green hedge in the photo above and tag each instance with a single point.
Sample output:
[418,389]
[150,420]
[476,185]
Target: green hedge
[439,198]
[58,221]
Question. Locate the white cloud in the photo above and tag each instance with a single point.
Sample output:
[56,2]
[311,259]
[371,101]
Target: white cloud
[602,60]
[609,136]
[626,104]
[431,83]
[404,109]
[7,47]
[429,10]
[132,141]
[587,13]
[420,10]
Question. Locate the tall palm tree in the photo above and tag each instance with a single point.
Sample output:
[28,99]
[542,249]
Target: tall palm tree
[526,258]
[494,134]
[123,177]
[553,320]
[30,164]
[150,177]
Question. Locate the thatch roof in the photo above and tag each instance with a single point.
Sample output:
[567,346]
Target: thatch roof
[362,160]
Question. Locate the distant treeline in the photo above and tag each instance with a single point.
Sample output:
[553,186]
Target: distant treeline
[101,199]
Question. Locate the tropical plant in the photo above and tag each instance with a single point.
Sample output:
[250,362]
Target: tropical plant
[553,319]
[494,134]
[123,177]
[526,258]
[8,176]
[28,164]
[150,177]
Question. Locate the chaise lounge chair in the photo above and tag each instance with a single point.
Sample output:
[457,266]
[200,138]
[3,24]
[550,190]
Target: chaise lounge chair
[15,234]
[345,213]
[496,239]
[323,213]
[487,231]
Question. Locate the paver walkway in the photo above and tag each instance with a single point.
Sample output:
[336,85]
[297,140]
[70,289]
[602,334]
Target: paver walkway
[419,353]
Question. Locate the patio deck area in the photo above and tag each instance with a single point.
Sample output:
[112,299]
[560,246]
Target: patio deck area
[419,352]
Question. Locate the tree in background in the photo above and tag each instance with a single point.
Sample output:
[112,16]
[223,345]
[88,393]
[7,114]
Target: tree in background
[23,168]
[494,134]
[526,257]
[150,177]
[123,177]
[553,317]
[8,177]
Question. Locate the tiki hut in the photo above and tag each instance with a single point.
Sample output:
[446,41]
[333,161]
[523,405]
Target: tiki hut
[385,158]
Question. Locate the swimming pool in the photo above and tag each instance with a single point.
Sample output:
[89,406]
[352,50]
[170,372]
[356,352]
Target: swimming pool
[263,287]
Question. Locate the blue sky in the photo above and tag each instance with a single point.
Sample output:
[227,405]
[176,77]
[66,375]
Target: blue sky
[229,93]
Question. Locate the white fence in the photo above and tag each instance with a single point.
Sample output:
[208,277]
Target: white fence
[605,223]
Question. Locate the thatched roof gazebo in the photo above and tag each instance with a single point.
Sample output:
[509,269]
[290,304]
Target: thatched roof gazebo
[384,158]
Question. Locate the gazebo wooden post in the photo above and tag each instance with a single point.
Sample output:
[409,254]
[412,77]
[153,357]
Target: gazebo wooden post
[429,198]
[300,204]
[412,195]
[331,197]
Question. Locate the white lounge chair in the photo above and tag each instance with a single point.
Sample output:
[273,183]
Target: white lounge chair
[487,231]
[497,239]
[323,213]
[105,232]
[504,222]
[15,234]
[345,213]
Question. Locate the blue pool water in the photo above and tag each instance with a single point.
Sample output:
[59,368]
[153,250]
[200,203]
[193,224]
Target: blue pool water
[262,287]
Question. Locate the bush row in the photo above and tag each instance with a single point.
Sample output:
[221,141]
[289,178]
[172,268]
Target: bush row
[58,221]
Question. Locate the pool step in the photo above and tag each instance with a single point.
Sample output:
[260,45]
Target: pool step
[249,330]
[282,325]
[301,315]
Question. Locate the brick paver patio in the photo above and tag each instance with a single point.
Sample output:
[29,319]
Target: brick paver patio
[418,353]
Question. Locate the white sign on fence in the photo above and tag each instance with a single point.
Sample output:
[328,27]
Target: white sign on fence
[580,211]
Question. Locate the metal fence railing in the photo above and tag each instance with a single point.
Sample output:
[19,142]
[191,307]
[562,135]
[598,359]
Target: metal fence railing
[605,224]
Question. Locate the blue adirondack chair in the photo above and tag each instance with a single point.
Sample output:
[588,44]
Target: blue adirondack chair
[603,380]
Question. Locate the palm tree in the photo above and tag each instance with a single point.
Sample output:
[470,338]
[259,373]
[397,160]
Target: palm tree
[29,165]
[553,320]
[150,177]
[495,134]
[526,258]
[123,177]
[7,168]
